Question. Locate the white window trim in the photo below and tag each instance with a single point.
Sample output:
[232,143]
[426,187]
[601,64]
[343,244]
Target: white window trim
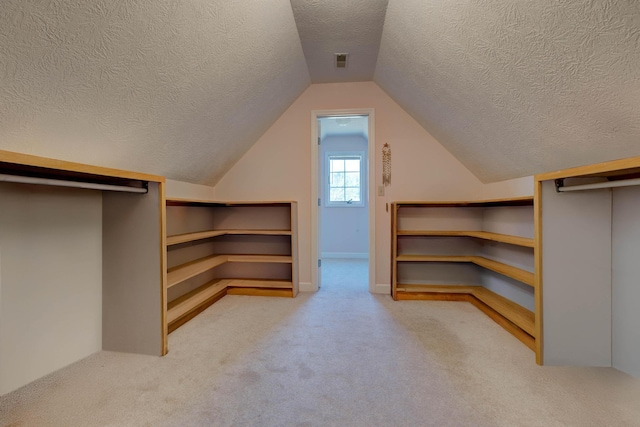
[327,187]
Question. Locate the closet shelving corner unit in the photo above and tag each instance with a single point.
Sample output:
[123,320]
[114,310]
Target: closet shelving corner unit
[228,248]
[481,252]
[122,215]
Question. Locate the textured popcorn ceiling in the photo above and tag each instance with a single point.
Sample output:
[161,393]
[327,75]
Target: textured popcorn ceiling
[514,88]
[328,27]
[177,88]
[184,88]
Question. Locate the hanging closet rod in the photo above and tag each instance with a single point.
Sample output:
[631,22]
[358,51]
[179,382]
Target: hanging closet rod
[73,184]
[609,184]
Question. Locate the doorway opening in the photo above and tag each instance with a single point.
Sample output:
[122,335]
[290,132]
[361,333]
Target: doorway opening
[343,226]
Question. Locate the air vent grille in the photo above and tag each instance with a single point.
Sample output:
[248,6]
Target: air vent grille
[341,60]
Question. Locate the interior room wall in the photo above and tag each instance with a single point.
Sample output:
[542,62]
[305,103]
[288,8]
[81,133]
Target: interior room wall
[344,228]
[277,167]
[50,280]
[186,190]
[625,237]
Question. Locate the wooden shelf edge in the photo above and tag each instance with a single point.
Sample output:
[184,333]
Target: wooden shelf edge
[191,269]
[515,273]
[433,258]
[262,292]
[260,283]
[514,318]
[508,201]
[283,259]
[192,237]
[195,299]
[484,235]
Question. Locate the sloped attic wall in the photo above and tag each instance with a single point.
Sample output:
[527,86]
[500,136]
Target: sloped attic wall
[180,89]
[514,88]
[277,167]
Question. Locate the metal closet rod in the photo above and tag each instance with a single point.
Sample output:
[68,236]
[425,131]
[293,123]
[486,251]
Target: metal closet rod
[73,184]
[609,184]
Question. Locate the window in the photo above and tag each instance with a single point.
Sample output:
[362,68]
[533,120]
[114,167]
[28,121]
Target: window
[345,178]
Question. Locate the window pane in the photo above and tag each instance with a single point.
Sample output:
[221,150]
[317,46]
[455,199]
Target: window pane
[352,194]
[337,179]
[337,165]
[336,195]
[352,165]
[352,179]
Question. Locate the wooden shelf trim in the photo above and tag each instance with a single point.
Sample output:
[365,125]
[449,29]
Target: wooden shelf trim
[282,259]
[510,201]
[259,283]
[485,235]
[186,271]
[194,299]
[518,274]
[200,296]
[513,312]
[190,237]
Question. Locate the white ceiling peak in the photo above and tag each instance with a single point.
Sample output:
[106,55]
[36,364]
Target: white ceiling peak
[340,26]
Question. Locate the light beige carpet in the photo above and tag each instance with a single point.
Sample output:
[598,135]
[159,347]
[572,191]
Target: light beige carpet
[339,357]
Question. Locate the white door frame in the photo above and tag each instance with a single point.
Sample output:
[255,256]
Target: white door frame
[315,149]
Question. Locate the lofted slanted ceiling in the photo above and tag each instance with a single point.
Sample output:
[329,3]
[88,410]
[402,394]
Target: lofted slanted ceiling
[184,88]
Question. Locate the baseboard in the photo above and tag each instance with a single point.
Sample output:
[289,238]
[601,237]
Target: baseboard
[352,255]
[382,288]
[306,287]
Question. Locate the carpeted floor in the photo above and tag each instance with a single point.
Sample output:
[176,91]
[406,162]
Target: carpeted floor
[339,357]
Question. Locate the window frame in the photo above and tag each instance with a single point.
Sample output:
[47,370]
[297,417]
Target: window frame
[329,155]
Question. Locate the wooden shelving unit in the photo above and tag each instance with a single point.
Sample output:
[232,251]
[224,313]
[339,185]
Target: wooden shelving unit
[221,248]
[429,239]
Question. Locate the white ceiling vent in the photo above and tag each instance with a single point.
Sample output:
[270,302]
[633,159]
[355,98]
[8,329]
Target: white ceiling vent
[341,60]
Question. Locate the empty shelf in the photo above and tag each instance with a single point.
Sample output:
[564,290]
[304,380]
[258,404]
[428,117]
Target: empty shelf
[190,237]
[195,299]
[485,235]
[511,311]
[259,283]
[186,271]
[517,314]
[499,267]
[284,259]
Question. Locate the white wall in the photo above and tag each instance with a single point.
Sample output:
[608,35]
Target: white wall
[50,280]
[344,228]
[277,167]
[186,190]
[626,280]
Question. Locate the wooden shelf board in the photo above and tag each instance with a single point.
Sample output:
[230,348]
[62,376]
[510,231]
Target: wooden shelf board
[261,292]
[485,235]
[186,271]
[518,274]
[260,283]
[514,313]
[283,259]
[462,289]
[194,299]
[176,201]
[190,237]
[433,258]
[512,201]
[517,314]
